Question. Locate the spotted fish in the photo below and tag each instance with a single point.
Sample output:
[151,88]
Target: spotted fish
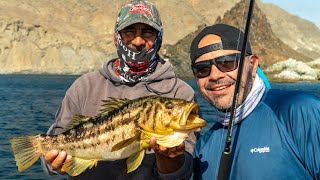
[121,130]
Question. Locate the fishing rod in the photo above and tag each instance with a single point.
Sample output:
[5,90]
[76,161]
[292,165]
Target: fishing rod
[224,161]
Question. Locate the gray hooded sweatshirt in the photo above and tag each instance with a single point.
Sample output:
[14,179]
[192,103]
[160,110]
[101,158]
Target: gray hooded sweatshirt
[84,97]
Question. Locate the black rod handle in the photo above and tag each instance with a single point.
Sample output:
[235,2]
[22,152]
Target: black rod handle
[224,167]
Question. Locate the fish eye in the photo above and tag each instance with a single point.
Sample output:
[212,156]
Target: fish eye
[169,105]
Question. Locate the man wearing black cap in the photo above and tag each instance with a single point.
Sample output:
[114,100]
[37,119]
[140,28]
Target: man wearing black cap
[276,134]
[137,71]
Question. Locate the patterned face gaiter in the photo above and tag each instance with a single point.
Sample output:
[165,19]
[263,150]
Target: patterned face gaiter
[133,65]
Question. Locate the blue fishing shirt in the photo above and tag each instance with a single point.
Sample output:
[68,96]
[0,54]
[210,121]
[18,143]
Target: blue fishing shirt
[280,139]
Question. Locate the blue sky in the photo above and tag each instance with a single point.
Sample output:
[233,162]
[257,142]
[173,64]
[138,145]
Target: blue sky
[306,9]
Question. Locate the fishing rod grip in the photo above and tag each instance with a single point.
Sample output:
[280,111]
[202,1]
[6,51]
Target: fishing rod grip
[224,166]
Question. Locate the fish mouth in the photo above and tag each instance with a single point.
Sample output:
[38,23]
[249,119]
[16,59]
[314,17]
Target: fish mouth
[190,120]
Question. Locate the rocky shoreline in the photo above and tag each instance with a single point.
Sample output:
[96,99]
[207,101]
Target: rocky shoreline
[293,70]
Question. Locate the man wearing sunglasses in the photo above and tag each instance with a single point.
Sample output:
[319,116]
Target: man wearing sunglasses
[276,134]
[137,71]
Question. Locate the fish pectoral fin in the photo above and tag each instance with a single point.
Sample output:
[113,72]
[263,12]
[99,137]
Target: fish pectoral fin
[76,166]
[125,143]
[134,161]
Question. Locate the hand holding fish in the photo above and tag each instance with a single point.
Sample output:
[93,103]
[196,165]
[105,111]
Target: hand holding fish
[168,159]
[56,159]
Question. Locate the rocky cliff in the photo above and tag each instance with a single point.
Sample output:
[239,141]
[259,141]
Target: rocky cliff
[301,35]
[55,37]
[75,36]
[263,40]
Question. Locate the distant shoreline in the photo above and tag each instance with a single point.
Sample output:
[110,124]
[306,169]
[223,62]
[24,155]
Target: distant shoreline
[183,78]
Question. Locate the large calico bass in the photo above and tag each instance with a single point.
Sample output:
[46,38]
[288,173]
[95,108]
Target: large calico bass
[121,130]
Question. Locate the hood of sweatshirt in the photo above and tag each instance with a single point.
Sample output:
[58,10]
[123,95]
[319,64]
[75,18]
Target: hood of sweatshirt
[164,70]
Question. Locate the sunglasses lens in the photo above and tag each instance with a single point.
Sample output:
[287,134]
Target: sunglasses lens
[224,64]
[201,70]
[227,63]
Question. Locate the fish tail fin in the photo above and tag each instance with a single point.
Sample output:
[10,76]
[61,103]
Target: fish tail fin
[25,151]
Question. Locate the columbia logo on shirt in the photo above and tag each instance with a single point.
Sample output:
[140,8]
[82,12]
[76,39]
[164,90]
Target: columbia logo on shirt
[260,150]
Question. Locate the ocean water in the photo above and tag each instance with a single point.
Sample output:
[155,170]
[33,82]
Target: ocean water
[28,105]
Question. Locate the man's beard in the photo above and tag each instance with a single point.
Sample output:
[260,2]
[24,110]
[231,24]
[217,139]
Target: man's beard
[226,107]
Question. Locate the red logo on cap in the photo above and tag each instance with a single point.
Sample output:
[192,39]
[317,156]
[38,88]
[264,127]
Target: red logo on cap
[141,9]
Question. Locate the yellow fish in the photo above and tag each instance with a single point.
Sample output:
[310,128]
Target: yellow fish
[122,130]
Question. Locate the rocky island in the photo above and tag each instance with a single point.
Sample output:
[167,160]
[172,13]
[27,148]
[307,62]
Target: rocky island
[74,37]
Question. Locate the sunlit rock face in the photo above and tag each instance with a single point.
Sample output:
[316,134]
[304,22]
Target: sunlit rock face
[300,34]
[74,37]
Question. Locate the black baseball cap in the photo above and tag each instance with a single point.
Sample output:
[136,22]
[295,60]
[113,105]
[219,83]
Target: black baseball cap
[231,37]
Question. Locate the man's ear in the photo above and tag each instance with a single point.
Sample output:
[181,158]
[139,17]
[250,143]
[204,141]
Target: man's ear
[254,63]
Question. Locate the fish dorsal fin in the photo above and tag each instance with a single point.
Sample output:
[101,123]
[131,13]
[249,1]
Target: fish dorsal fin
[111,104]
[76,166]
[134,161]
[125,143]
[76,120]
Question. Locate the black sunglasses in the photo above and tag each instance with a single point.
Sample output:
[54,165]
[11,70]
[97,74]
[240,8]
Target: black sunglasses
[225,63]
